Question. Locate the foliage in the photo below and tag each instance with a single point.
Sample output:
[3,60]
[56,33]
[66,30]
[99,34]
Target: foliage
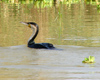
[89,60]
[49,3]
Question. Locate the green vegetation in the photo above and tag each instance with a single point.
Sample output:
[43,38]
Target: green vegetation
[49,3]
[89,60]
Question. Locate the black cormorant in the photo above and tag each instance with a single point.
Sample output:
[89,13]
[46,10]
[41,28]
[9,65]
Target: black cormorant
[31,42]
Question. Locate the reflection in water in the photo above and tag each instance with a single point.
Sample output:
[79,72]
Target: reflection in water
[59,25]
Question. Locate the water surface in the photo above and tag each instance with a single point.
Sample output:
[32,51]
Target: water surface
[75,29]
[20,62]
[61,25]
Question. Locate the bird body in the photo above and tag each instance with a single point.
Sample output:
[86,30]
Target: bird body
[31,42]
[41,45]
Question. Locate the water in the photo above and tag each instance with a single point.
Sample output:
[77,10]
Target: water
[74,29]
[20,62]
[61,25]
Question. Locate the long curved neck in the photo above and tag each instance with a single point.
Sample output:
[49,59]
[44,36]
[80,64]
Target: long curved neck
[33,36]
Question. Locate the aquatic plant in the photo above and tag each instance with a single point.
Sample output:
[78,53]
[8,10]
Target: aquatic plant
[98,6]
[89,60]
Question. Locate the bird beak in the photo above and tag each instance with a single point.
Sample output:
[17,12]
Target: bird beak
[26,24]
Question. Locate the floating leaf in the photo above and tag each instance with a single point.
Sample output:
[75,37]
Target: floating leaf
[89,60]
[86,59]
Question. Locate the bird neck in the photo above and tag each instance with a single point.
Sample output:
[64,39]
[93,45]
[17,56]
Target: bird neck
[33,36]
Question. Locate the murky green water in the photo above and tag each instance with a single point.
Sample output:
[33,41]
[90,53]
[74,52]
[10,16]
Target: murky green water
[74,28]
[61,25]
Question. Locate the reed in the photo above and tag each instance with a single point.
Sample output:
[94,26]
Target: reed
[51,1]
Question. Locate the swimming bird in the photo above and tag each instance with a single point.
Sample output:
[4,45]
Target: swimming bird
[31,42]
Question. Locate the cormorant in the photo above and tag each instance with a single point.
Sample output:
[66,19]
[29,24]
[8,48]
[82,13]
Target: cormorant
[31,42]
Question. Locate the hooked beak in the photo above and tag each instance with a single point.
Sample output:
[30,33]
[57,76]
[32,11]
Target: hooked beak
[25,23]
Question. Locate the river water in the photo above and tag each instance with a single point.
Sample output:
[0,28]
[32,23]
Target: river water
[73,29]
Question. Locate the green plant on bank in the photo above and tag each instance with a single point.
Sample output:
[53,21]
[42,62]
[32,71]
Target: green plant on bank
[50,3]
[96,2]
[98,6]
[89,60]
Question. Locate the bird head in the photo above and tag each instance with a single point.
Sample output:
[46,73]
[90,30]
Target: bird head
[30,24]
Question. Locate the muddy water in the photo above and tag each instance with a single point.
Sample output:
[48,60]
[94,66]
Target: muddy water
[22,63]
[75,29]
[78,24]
